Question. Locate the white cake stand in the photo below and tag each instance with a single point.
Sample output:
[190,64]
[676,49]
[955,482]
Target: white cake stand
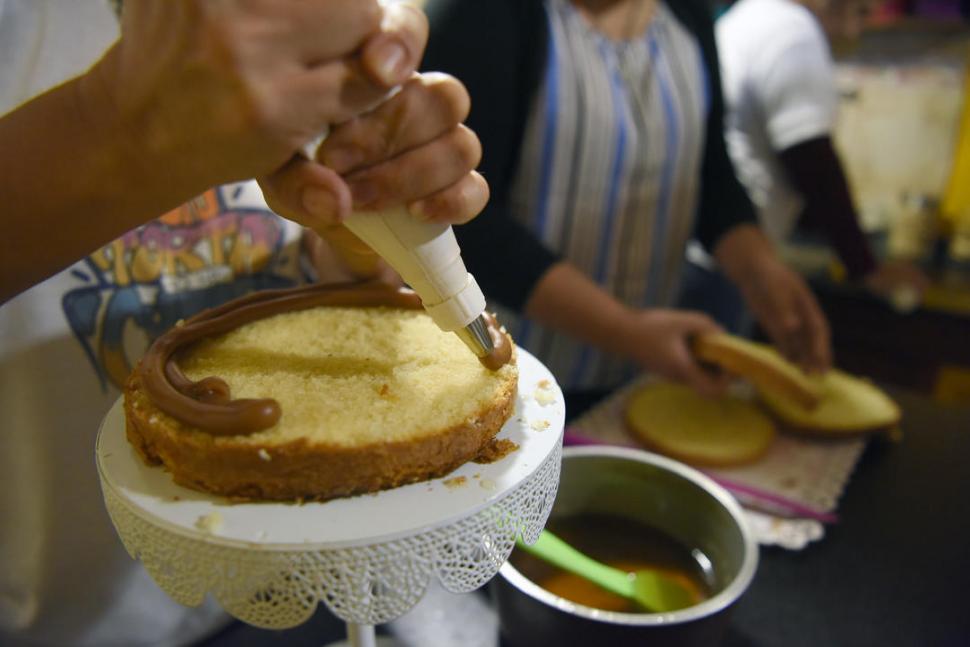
[368,558]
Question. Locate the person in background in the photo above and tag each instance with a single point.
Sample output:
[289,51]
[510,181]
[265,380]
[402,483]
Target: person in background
[781,99]
[125,193]
[601,126]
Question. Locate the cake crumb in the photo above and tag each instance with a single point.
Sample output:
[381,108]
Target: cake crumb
[152,419]
[544,394]
[455,482]
[264,455]
[211,523]
[488,484]
[540,425]
[385,389]
[180,323]
[495,450]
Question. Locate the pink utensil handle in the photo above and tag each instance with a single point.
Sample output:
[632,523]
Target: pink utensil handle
[751,496]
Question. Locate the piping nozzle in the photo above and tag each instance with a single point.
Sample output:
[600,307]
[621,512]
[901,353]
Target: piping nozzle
[476,337]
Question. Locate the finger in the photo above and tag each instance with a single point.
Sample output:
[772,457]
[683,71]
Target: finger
[339,89]
[427,107]
[817,333]
[456,204]
[784,326]
[698,323]
[417,173]
[308,193]
[707,383]
[331,93]
[323,31]
[356,255]
[395,52]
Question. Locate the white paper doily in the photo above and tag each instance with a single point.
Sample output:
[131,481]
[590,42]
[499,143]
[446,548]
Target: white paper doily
[803,470]
[368,558]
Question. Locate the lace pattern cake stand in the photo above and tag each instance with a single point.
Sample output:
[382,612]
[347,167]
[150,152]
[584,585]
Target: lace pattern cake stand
[368,558]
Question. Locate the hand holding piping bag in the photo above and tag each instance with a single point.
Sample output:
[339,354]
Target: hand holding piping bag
[408,165]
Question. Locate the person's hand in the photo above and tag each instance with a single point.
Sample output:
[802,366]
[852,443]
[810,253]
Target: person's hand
[342,258]
[659,340]
[902,284]
[779,298]
[412,149]
[786,308]
[211,91]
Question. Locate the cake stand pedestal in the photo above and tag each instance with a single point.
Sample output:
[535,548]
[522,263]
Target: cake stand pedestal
[368,558]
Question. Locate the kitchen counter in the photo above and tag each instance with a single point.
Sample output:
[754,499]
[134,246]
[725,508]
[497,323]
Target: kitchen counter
[895,570]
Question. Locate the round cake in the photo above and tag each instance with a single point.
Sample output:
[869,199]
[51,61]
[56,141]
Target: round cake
[315,393]
[849,405]
[761,364]
[674,420]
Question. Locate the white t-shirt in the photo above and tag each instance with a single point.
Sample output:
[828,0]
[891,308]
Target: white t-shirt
[779,91]
[66,344]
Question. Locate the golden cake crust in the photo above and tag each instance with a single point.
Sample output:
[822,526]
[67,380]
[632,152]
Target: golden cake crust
[298,469]
[437,408]
[673,420]
[850,406]
[760,364]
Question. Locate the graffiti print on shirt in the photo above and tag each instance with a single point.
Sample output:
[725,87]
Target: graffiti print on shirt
[199,255]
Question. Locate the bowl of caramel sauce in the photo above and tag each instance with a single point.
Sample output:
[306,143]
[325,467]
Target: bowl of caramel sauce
[632,510]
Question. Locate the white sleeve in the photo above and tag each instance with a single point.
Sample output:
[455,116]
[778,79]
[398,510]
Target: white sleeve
[796,86]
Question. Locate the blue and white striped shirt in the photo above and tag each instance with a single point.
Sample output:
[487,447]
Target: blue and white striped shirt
[609,172]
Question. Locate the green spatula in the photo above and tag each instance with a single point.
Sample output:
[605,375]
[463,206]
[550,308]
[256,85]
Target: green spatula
[654,591]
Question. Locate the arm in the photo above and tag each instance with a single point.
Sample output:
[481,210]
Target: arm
[779,298]
[67,171]
[151,125]
[566,300]
[814,169]
[816,172]
[799,120]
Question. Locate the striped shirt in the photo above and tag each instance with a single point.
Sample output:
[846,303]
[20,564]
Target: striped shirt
[609,171]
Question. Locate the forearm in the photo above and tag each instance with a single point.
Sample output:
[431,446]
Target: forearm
[743,252]
[779,298]
[658,340]
[815,170]
[567,301]
[70,183]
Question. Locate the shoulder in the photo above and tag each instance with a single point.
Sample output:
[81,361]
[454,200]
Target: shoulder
[769,27]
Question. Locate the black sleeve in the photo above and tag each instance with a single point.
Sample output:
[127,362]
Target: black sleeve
[724,204]
[496,48]
[814,169]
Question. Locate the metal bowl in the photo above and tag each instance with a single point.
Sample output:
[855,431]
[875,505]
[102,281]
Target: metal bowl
[654,491]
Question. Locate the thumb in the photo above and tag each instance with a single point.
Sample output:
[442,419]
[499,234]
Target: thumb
[707,383]
[307,192]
